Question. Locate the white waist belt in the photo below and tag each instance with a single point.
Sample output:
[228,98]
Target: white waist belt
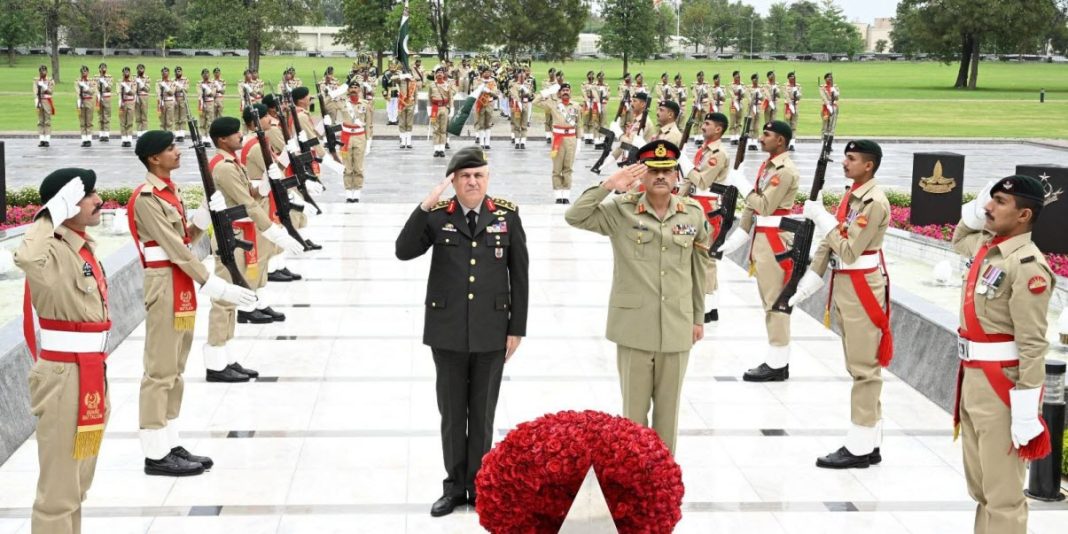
[563,130]
[355,130]
[63,341]
[987,352]
[869,261]
[705,194]
[156,253]
[768,221]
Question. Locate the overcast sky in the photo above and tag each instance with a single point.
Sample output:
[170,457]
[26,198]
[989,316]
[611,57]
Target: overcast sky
[862,10]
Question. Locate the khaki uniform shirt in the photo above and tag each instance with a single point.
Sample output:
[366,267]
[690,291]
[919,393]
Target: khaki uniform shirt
[738,96]
[866,222]
[773,94]
[711,167]
[206,92]
[830,95]
[158,221]
[563,114]
[775,188]
[668,132]
[232,181]
[664,92]
[59,288]
[658,280]
[104,85]
[756,99]
[701,94]
[220,87]
[143,83]
[443,91]
[308,128]
[678,94]
[519,94]
[181,87]
[84,89]
[1019,304]
[165,91]
[46,91]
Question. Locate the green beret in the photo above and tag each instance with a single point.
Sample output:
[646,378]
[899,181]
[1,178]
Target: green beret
[715,76]
[780,128]
[755,76]
[466,158]
[269,101]
[718,118]
[223,127]
[300,92]
[828,75]
[863,146]
[736,73]
[659,154]
[700,73]
[644,97]
[153,142]
[590,73]
[565,85]
[672,105]
[247,114]
[59,178]
[678,76]
[1017,185]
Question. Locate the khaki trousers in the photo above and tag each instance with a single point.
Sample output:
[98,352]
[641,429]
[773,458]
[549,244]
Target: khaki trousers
[180,114]
[222,319]
[826,128]
[207,114]
[736,122]
[995,473]
[63,482]
[406,117]
[860,341]
[652,378]
[369,119]
[352,157]
[44,119]
[711,280]
[217,109]
[85,117]
[141,112]
[167,116]
[793,124]
[769,275]
[519,122]
[770,114]
[105,114]
[440,124]
[126,117]
[548,122]
[166,352]
[562,163]
[484,120]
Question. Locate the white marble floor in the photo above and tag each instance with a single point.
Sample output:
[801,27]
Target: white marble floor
[340,433]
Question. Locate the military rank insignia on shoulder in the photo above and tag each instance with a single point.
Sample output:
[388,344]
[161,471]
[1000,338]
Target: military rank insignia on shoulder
[506,204]
[631,197]
[440,205]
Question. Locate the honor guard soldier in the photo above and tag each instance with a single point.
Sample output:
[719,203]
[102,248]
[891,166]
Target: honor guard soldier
[144,89]
[159,227]
[328,85]
[709,166]
[719,96]
[354,141]
[206,97]
[127,107]
[601,94]
[103,102]
[680,97]
[793,96]
[830,95]
[521,95]
[660,250]
[663,90]
[639,84]
[488,93]
[1002,347]
[277,263]
[738,94]
[701,93]
[765,204]
[234,187]
[245,90]
[67,287]
[43,87]
[302,101]
[756,104]
[289,81]
[667,114]
[589,100]
[852,241]
[476,310]
[220,91]
[85,89]
[626,94]
[771,98]
[464,76]
[440,95]
[166,106]
[634,132]
[181,89]
[407,87]
[368,83]
[556,99]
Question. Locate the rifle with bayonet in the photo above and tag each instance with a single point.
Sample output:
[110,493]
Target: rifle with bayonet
[301,160]
[743,143]
[689,126]
[278,187]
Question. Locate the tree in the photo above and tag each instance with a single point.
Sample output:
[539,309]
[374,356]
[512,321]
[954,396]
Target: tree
[831,32]
[518,27]
[441,22]
[778,22]
[151,24]
[803,16]
[98,23]
[255,25]
[19,26]
[696,24]
[365,27]
[664,29]
[747,29]
[880,46]
[628,31]
[53,13]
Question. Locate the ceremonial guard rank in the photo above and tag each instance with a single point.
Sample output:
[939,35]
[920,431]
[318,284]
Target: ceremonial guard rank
[206,97]
[220,91]
[159,227]
[634,132]
[556,99]
[166,106]
[757,99]
[487,88]
[181,89]
[144,89]
[719,96]
[476,310]
[793,97]
[85,90]
[680,97]
[67,287]
[1002,347]
[660,250]
[302,99]
[43,87]
[127,107]
[103,102]
[766,203]
[663,90]
[668,129]
[852,241]
[771,98]
[626,95]
[521,95]
[440,95]
[289,81]
[830,95]
[738,94]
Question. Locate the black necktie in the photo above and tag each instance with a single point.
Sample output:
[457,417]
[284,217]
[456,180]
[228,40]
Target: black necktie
[472,220]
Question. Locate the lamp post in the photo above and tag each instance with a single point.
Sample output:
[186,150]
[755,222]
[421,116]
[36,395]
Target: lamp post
[751,20]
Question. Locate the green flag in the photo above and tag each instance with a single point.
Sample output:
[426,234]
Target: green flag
[402,40]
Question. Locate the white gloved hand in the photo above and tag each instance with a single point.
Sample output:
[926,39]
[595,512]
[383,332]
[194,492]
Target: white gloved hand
[309,212]
[314,188]
[217,202]
[277,235]
[302,137]
[735,241]
[274,173]
[639,141]
[1025,424]
[340,91]
[328,121]
[550,91]
[42,85]
[973,214]
[201,217]
[808,286]
[825,222]
[685,163]
[64,205]
[220,289]
[616,129]
[736,178]
[292,146]
[263,187]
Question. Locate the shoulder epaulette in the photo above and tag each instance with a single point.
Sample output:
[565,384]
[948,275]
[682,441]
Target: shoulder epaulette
[692,203]
[506,204]
[631,197]
[440,205]
[716,151]
[868,201]
[1028,259]
[777,167]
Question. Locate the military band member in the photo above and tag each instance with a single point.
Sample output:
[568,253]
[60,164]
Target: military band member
[660,250]
[181,105]
[407,87]
[851,244]
[601,95]
[771,98]
[757,97]
[103,102]
[710,166]
[831,96]
[166,105]
[206,97]
[476,310]
[488,92]
[329,86]
[521,97]
[1004,305]
[680,97]
[144,90]
[667,129]
[220,91]
[66,285]
[43,87]
[793,96]
[85,91]
[770,199]
[589,101]
[556,99]
[549,81]
[127,107]
[738,94]
[159,227]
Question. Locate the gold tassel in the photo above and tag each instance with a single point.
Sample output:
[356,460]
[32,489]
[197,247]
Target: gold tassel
[252,271]
[752,269]
[87,442]
[956,431]
[826,318]
[184,323]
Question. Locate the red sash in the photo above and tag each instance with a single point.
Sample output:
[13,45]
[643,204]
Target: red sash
[558,138]
[879,315]
[773,237]
[248,232]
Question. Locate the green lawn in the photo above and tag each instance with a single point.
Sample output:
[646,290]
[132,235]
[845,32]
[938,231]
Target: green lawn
[878,99]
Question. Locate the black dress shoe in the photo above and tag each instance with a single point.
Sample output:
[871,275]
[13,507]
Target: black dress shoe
[291,274]
[254,317]
[792,149]
[347,201]
[711,316]
[228,374]
[278,276]
[446,504]
[105,139]
[192,458]
[311,246]
[565,201]
[172,466]
[875,457]
[598,146]
[244,370]
[41,144]
[447,147]
[522,146]
[275,316]
[126,144]
[843,459]
[763,373]
[180,139]
[47,144]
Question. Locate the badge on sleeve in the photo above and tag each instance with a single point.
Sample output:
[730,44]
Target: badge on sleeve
[1037,284]
[87,270]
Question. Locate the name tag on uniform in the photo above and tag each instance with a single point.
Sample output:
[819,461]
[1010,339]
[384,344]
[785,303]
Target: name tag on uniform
[684,229]
[449,227]
[498,228]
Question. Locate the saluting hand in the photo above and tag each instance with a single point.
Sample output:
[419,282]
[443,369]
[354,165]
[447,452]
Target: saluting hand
[435,194]
[624,178]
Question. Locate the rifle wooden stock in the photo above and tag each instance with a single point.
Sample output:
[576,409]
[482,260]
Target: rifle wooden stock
[743,142]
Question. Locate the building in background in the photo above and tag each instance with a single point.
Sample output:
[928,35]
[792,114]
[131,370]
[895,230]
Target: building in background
[875,32]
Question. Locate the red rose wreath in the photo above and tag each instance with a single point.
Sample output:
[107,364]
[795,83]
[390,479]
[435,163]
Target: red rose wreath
[528,481]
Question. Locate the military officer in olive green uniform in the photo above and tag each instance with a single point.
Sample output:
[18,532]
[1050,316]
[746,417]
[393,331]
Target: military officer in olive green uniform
[660,249]
[852,241]
[765,205]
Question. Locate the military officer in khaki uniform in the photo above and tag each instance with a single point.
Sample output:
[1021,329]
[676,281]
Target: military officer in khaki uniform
[166,105]
[407,88]
[852,241]
[43,87]
[765,204]
[738,94]
[159,227]
[660,249]
[667,114]
[220,91]
[144,89]
[521,95]
[556,99]
[792,96]
[103,102]
[772,95]
[756,104]
[440,96]
[66,285]
[489,93]
[85,92]
[831,96]
[206,97]
[708,167]
[1004,305]
[181,105]
[127,107]
[354,141]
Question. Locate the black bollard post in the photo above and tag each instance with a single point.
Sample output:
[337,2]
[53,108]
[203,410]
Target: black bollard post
[3,185]
[1044,480]
[1042,96]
